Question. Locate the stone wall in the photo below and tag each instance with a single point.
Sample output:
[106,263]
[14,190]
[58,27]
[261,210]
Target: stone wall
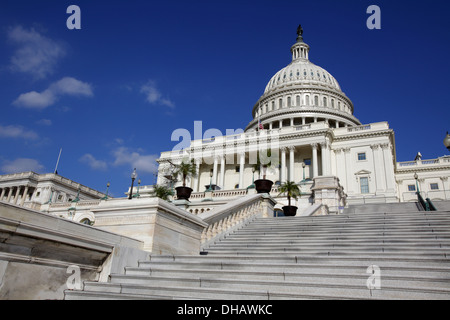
[40,252]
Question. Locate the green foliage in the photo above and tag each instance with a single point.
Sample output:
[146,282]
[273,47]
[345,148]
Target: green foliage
[162,192]
[185,169]
[291,189]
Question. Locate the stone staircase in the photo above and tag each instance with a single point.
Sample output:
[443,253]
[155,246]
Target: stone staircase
[322,257]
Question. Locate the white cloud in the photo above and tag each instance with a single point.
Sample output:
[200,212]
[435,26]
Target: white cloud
[72,87]
[35,54]
[154,96]
[66,86]
[143,163]
[21,165]
[13,131]
[44,122]
[93,163]
[35,100]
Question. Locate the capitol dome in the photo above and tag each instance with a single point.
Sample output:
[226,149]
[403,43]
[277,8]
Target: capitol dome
[302,93]
[302,72]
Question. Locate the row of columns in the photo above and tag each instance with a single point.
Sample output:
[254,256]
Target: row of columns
[12,196]
[218,174]
[315,119]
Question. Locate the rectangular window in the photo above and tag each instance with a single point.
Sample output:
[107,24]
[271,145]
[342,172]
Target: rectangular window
[238,169]
[434,186]
[411,187]
[364,181]
[307,162]
[361,156]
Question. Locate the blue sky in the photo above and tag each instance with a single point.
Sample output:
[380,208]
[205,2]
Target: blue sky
[112,93]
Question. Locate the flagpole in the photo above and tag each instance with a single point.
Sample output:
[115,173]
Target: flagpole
[57,162]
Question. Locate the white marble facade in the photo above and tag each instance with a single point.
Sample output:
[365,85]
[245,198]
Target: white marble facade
[308,123]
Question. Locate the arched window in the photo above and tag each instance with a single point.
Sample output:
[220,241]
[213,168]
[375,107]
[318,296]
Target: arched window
[307,100]
[280,103]
[297,102]
[289,101]
[332,103]
[325,102]
[316,100]
[273,105]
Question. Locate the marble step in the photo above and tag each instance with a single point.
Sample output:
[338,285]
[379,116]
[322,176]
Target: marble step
[289,283]
[253,291]
[286,260]
[281,273]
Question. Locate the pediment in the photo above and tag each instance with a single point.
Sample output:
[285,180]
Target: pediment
[362,172]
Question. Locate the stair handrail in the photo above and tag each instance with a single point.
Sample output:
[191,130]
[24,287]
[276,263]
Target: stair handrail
[235,214]
[430,205]
[422,202]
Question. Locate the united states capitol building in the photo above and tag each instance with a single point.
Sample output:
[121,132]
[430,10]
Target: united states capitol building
[308,123]
[305,127]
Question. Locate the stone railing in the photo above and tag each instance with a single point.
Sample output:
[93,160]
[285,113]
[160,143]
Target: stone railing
[68,204]
[234,215]
[423,163]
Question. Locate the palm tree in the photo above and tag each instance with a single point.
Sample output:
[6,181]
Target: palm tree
[291,189]
[186,169]
[162,192]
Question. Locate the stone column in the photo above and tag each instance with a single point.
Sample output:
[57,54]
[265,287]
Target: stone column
[16,197]
[197,177]
[214,177]
[445,188]
[283,164]
[25,193]
[2,194]
[348,169]
[291,163]
[378,165]
[324,158]
[241,169]
[314,160]
[389,167]
[9,194]
[222,172]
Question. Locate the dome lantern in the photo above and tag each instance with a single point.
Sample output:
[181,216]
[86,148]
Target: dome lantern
[300,50]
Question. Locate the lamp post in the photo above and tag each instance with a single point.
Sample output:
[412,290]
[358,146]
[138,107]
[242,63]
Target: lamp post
[303,166]
[107,189]
[137,195]
[133,177]
[252,186]
[417,183]
[210,180]
[447,141]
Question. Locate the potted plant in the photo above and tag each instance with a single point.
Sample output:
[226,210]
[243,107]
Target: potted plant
[162,192]
[185,169]
[263,185]
[292,191]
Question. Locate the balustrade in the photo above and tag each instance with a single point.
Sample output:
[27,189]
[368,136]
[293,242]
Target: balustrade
[235,214]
